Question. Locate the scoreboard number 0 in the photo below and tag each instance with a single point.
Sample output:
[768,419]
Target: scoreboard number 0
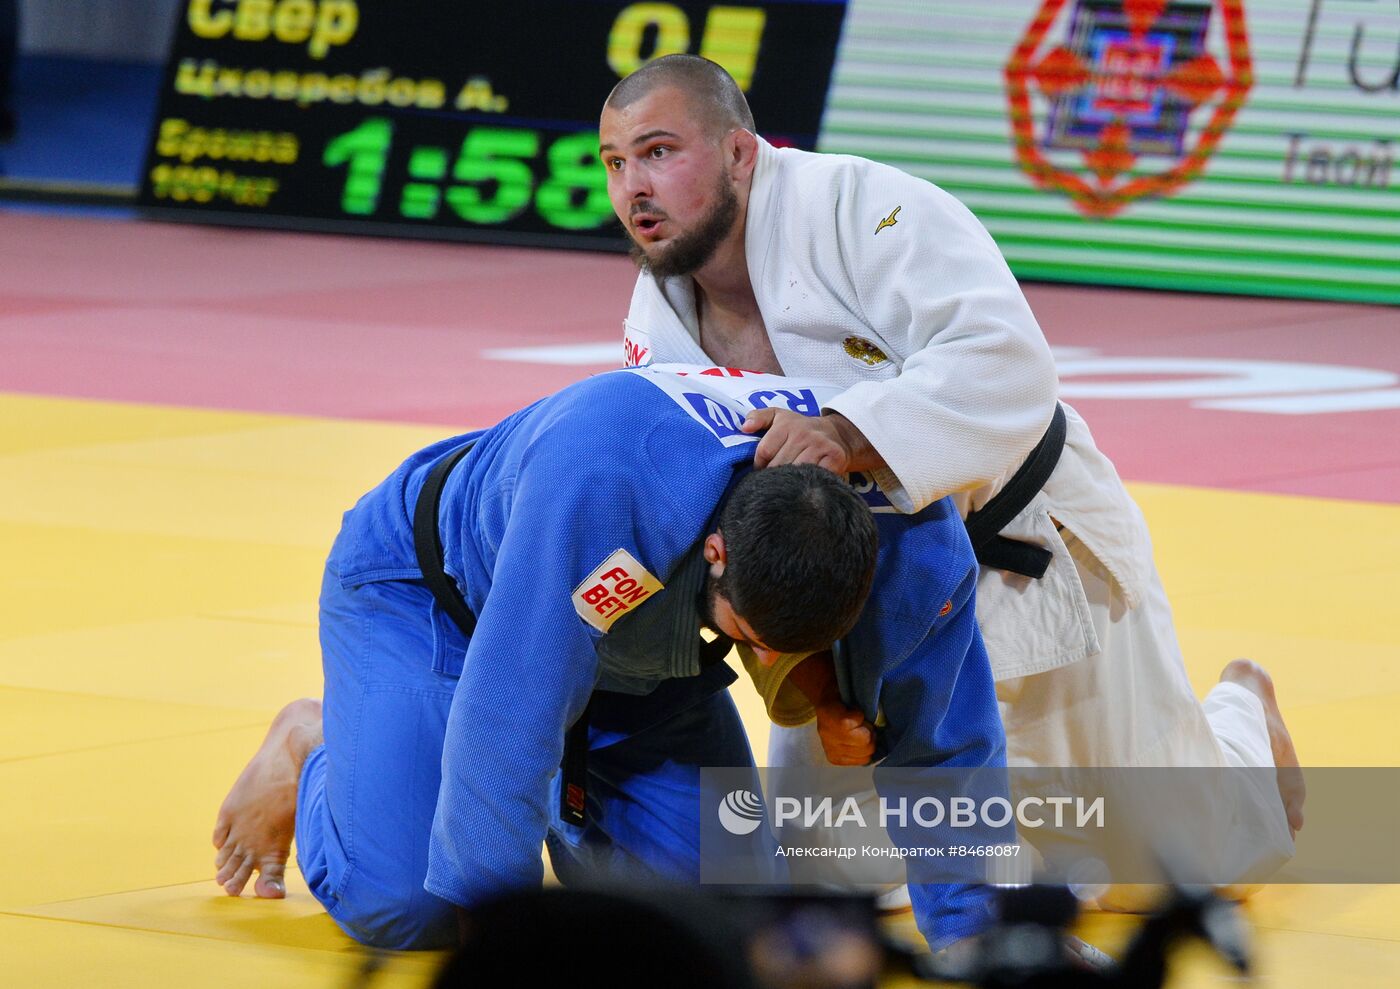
[731,37]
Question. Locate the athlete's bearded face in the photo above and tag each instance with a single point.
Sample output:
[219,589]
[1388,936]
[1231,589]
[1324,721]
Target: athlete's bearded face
[688,251]
[667,182]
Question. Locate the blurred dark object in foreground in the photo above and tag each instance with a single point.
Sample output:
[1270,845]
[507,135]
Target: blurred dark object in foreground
[685,938]
[1031,947]
[675,938]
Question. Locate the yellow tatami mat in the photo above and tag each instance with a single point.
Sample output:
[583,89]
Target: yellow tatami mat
[159,583]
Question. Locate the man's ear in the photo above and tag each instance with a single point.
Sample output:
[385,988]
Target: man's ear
[741,154]
[715,553]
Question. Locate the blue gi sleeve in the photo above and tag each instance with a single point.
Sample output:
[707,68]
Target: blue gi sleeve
[941,713]
[529,669]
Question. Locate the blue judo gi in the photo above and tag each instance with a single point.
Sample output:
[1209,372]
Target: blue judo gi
[438,779]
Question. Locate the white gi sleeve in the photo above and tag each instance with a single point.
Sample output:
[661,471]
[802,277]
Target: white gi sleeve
[977,387]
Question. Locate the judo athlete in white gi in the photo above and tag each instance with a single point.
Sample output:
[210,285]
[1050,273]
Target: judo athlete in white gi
[845,270]
[584,536]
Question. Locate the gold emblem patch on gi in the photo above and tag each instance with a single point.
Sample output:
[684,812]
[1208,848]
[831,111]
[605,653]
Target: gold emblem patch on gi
[865,351]
[617,586]
[890,220]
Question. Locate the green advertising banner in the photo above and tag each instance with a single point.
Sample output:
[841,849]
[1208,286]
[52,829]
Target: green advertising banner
[1231,146]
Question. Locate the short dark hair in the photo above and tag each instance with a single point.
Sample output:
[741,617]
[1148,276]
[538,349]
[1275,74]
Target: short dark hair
[800,549]
[715,95]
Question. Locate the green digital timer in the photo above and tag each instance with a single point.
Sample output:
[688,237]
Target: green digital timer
[491,181]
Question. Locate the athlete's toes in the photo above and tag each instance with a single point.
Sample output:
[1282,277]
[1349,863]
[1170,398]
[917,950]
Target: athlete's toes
[233,886]
[230,851]
[221,829]
[229,861]
[271,882]
[226,871]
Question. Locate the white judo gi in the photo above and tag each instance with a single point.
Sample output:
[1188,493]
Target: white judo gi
[883,283]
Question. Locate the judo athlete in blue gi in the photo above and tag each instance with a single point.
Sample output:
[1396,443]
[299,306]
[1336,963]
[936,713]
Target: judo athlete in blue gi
[592,535]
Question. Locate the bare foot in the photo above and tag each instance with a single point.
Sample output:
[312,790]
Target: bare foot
[255,824]
[1255,678]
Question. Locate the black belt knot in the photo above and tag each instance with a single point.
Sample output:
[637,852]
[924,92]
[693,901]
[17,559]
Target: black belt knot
[984,525]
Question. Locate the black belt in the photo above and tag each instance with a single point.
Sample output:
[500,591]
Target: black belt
[984,525]
[428,548]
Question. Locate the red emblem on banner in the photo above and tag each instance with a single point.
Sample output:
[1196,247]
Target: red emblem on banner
[1127,82]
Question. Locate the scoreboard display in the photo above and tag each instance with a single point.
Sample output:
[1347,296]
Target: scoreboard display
[474,120]
[1242,146]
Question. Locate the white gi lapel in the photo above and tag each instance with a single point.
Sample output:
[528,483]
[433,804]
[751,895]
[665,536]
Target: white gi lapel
[763,214]
[664,315]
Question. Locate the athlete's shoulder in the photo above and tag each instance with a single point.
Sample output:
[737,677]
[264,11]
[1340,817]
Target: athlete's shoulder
[871,208]
[609,409]
[929,549]
[808,171]
[635,424]
[938,521]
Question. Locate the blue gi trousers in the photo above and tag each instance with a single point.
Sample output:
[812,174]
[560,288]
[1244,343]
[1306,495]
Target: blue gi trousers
[367,796]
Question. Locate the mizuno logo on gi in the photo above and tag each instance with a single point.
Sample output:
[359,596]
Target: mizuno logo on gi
[890,220]
[617,586]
